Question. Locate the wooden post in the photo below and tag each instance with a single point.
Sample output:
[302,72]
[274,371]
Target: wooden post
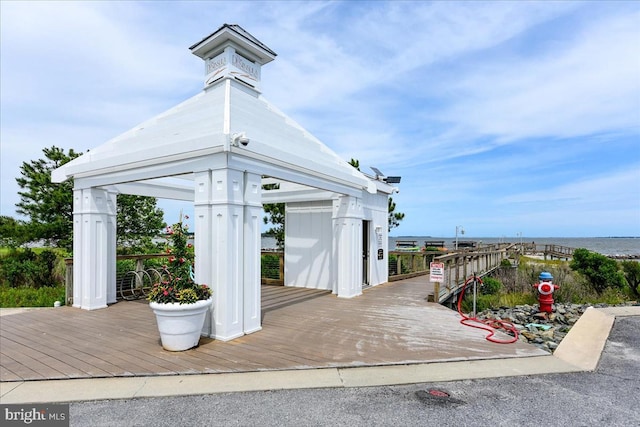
[68,281]
[281,266]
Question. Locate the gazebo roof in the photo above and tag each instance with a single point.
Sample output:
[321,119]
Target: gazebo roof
[229,124]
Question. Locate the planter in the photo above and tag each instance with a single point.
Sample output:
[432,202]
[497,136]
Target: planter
[180,325]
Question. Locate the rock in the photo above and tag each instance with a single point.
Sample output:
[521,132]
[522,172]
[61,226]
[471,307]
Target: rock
[526,317]
[548,335]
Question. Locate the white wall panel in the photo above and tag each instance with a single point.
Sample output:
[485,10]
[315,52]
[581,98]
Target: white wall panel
[308,251]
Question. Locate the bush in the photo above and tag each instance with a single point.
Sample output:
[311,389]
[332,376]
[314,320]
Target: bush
[631,271]
[601,272]
[29,297]
[505,263]
[490,286]
[270,266]
[26,268]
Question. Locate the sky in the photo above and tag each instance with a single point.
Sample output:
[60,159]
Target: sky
[502,118]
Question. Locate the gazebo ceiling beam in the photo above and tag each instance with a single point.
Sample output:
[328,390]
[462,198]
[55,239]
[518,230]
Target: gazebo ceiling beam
[161,191]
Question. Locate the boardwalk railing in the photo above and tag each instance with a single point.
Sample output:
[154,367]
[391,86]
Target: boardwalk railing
[548,251]
[402,265]
[458,266]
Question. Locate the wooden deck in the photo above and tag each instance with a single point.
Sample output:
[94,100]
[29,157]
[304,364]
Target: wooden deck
[302,329]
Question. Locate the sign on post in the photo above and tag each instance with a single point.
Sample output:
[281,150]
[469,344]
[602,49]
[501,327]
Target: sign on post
[436,272]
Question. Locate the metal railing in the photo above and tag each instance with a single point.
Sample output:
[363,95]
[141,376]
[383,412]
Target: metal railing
[135,274]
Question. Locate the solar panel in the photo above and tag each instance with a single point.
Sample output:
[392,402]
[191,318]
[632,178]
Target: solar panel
[377,171]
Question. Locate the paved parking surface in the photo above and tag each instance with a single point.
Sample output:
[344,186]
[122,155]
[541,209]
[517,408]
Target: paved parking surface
[609,396]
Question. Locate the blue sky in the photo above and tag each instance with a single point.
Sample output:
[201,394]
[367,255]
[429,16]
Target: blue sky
[502,117]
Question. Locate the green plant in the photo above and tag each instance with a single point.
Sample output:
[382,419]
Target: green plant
[30,268]
[270,266]
[505,263]
[30,297]
[601,272]
[516,298]
[490,286]
[180,286]
[393,264]
[483,302]
[631,271]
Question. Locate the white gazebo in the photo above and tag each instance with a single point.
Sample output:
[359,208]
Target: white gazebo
[217,149]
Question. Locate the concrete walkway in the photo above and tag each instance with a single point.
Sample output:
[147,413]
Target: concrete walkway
[579,351]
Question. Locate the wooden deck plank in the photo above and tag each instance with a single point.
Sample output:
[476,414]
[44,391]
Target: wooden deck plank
[301,329]
[74,353]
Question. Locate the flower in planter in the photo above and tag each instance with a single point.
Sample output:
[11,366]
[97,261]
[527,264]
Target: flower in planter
[179,286]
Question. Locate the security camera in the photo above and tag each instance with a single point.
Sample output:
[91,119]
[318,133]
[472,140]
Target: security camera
[239,138]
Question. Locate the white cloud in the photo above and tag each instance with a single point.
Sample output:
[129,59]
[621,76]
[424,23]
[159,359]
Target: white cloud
[590,86]
[474,104]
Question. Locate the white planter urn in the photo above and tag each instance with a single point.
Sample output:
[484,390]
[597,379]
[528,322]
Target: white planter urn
[180,325]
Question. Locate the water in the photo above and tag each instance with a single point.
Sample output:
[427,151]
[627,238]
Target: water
[623,246]
[604,245]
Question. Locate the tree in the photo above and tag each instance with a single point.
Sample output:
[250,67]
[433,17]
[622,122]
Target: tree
[394,217]
[139,220]
[11,232]
[275,214]
[48,205]
[601,272]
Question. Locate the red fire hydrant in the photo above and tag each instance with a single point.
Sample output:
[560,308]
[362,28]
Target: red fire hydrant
[545,289]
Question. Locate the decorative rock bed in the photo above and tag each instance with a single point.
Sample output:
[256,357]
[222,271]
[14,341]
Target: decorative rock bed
[544,330]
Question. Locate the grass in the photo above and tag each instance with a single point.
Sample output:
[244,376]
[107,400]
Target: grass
[29,297]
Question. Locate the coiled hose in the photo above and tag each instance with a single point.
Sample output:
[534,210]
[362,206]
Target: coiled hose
[489,325]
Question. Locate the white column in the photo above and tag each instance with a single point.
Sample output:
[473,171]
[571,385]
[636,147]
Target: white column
[112,229]
[78,255]
[220,245]
[347,222]
[251,258]
[204,262]
[92,248]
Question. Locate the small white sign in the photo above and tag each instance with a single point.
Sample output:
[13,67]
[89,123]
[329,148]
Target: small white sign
[436,272]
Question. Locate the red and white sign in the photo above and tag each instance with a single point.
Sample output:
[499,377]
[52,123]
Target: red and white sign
[436,272]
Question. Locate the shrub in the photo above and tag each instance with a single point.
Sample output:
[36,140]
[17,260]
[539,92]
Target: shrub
[26,268]
[30,297]
[270,266]
[631,271]
[505,263]
[490,286]
[393,264]
[601,272]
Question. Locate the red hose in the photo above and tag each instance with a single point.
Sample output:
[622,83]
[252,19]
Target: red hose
[489,325]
